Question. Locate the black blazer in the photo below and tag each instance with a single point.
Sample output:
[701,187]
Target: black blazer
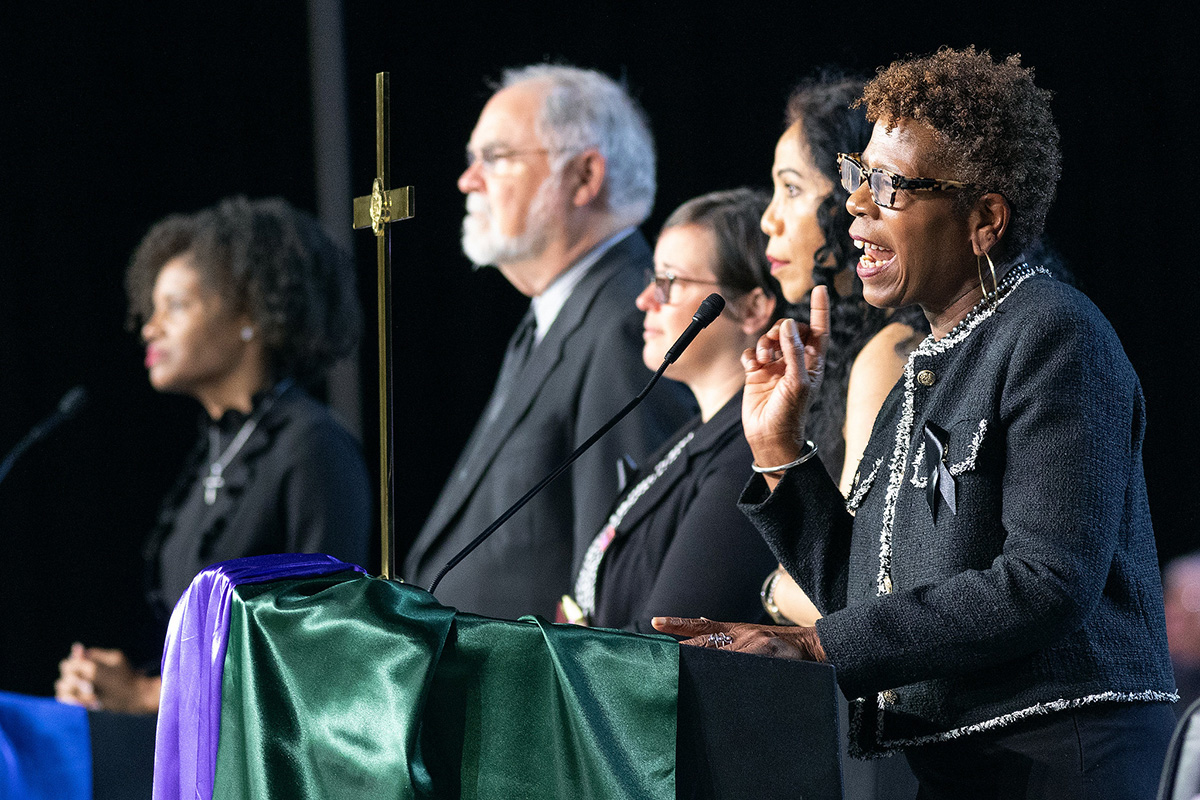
[1040,590]
[588,366]
[299,485]
[684,549]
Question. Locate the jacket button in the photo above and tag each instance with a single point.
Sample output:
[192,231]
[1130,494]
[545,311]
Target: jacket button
[926,377]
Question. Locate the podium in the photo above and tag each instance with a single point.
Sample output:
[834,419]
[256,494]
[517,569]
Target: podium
[297,676]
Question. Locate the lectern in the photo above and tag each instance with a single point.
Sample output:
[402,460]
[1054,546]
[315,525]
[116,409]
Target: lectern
[329,678]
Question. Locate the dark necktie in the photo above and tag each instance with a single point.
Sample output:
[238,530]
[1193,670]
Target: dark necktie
[519,348]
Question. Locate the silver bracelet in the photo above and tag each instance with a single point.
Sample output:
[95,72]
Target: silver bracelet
[805,455]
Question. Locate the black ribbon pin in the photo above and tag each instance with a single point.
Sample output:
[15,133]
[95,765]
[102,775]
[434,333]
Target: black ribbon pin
[940,481]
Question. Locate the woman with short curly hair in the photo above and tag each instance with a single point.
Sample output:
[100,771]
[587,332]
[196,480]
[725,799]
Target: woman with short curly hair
[240,305]
[809,245]
[270,261]
[866,342]
[990,588]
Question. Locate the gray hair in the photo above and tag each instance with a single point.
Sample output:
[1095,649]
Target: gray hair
[584,108]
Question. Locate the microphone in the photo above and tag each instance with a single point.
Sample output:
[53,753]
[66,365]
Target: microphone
[706,313]
[71,404]
[709,310]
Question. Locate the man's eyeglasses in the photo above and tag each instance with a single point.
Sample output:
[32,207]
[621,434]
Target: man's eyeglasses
[884,184]
[499,160]
[664,281]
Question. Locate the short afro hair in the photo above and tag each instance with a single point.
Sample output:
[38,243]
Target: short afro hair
[269,260]
[995,127]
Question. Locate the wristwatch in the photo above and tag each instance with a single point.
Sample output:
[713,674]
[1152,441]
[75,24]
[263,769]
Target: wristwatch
[767,595]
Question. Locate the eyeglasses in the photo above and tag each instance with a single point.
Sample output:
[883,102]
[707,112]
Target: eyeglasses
[884,184]
[663,283]
[498,160]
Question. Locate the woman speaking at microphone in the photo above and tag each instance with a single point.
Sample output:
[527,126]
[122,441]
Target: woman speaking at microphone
[241,305]
[675,542]
[990,588]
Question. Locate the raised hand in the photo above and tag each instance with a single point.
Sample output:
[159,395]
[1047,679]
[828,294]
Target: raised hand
[796,643]
[782,372]
[76,674]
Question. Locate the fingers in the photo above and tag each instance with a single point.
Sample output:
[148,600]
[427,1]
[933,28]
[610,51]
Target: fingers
[105,656]
[74,684]
[749,360]
[768,348]
[77,665]
[702,632]
[818,304]
[75,692]
[715,641]
[796,643]
[792,348]
[799,644]
[816,340]
[686,627]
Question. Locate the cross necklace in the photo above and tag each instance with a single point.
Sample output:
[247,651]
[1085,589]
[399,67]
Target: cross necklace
[214,480]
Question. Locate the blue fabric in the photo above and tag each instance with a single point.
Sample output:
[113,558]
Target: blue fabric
[45,750]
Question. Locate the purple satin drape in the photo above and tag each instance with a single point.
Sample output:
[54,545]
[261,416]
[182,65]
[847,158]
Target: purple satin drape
[189,717]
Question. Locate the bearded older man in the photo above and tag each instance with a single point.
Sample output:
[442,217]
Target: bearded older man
[560,173]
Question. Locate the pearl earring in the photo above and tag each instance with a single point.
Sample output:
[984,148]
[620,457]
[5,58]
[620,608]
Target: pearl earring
[247,333]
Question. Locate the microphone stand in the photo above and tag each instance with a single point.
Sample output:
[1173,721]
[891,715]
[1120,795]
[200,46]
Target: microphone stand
[67,408]
[517,506]
[708,311]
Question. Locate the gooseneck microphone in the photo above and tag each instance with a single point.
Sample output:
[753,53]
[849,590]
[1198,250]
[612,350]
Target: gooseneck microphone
[70,404]
[709,310]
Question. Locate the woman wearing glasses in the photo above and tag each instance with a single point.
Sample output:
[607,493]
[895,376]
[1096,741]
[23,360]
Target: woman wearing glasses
[992,600]
[810,244]
[675,542]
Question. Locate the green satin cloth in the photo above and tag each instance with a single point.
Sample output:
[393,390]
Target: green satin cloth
[357,687]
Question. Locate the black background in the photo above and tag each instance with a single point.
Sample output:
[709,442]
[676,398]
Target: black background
[115,114]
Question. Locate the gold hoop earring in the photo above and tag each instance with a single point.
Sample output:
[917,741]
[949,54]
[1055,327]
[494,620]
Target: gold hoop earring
[995,283]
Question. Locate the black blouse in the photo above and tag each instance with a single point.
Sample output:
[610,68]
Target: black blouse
[684,549]
[297,485]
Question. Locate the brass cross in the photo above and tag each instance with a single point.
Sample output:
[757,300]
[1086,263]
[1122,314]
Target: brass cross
[377,211]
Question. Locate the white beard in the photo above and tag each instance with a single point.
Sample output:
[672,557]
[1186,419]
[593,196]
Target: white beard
[486,247]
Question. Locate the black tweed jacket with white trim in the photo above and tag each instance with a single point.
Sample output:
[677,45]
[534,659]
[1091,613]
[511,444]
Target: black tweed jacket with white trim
[1041,590]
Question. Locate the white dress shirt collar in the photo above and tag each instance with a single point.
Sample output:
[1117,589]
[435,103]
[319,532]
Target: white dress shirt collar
[547,304]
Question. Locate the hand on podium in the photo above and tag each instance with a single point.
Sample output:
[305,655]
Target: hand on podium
[99,678]
[799,643]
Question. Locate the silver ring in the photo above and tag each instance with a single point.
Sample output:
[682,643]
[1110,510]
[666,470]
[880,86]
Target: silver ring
[719,639]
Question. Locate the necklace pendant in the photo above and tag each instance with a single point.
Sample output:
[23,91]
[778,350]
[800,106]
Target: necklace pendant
[211,484]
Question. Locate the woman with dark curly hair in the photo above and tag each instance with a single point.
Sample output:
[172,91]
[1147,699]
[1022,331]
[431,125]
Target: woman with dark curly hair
[990,589]
[810,245]
[240,305]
